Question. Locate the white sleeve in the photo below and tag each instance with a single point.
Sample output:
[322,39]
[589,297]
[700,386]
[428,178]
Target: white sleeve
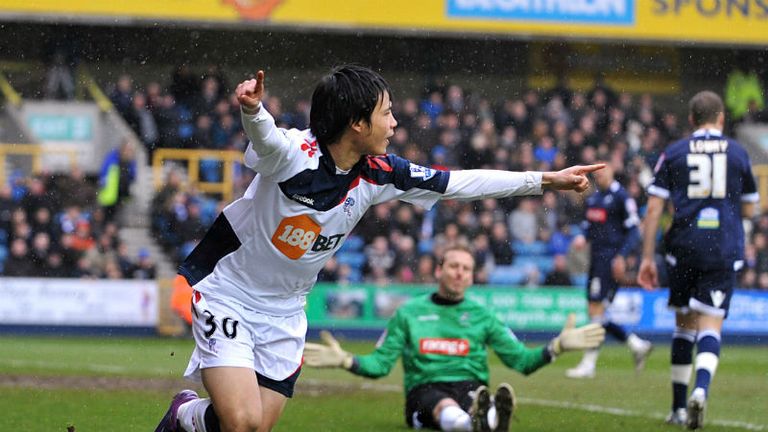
[479,184]
[267,143]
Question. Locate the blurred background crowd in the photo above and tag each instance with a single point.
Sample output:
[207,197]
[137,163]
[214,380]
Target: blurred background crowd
[57,225]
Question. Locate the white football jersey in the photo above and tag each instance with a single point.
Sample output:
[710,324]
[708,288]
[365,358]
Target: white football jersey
[266,248]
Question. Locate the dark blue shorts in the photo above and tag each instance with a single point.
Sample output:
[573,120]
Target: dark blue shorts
[705,291]
[284,387]
[601,286]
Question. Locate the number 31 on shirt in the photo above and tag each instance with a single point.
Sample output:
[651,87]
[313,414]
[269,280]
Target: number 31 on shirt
[707,176]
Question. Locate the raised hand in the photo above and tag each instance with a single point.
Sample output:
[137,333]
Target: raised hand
[250,93]
[581,338]
[572,178]
[329,354]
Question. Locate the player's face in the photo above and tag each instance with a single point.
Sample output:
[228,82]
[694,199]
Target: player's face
[374,136]
[455,275]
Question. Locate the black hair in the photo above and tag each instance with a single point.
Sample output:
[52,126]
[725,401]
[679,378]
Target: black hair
[704,107]
[348,94]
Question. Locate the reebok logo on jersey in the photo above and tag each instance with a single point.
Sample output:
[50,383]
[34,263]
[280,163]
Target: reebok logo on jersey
[432,317]
[450,347]
[303,199]
[718,297]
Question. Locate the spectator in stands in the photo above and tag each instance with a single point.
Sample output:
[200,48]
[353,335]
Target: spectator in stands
[122,98]
[118,172]
[522,221]
[559,275]
[145,267]
[59,83]
[37,196]
[7,205]
[19,262]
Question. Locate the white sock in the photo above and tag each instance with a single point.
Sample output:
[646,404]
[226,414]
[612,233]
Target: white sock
[590,358]
[455,419]
[191,415]
[635,343]
[493,421]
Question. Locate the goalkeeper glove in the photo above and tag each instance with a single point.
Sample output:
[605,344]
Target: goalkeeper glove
[574,339]
[328,354]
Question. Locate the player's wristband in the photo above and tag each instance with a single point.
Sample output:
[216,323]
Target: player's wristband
[552,350]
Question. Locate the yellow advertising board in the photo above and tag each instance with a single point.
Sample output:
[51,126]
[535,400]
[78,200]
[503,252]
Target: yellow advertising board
[678,21]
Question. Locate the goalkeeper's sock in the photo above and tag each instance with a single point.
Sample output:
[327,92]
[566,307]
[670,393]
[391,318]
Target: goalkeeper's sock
[682,357]
[707,358]
[198,416]
[590,358]
[453,418]
[615,330]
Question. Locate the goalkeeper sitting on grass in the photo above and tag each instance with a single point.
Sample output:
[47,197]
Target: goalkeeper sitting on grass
[443,339]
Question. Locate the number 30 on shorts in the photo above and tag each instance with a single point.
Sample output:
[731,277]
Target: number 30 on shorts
[295,236]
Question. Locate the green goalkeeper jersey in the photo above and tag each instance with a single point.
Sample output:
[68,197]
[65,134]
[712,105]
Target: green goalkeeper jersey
[446,343]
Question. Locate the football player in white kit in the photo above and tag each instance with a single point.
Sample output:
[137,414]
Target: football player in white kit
[254,267]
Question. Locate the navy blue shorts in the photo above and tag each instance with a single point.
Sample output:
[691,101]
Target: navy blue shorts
[422,400]
[284,387]
[705,291]
[601,286]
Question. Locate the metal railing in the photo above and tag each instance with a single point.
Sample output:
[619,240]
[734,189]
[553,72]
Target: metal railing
[36,152]
[192,159]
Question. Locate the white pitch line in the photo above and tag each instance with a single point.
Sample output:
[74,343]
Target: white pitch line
[390,388]
[629,413]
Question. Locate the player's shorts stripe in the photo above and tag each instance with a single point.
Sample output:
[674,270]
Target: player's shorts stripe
[219,241]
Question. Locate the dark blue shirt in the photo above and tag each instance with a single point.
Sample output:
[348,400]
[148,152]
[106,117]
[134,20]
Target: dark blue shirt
[611,222]
[707,176]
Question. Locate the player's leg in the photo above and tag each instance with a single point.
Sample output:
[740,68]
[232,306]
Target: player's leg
[681,281]
[274,395]
[272,404]
[681,361]
[600,284]
[436,406]
[236,398]
[710,301]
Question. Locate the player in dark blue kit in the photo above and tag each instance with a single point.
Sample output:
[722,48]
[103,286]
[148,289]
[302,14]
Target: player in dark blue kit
[611,229]
[708,177]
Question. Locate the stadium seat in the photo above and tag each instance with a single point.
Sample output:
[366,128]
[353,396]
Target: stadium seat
[507,275]
[356,260]
[354,243]
[579,279]
[535,248]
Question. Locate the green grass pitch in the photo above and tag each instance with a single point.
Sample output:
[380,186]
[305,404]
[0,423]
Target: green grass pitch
[125,384]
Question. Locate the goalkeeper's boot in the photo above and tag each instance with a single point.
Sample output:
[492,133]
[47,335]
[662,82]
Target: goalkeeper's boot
[504,400]
[697,403]
[481,404]
[678,417]
[640,355]
[170,421]
[582,370]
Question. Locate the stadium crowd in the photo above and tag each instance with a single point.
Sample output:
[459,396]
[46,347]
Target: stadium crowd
[51,225]
[522,241]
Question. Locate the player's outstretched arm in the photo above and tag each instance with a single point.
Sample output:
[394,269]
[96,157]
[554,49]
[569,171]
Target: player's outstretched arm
[250,93]
[329,354]
[572,178]
[572,338]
